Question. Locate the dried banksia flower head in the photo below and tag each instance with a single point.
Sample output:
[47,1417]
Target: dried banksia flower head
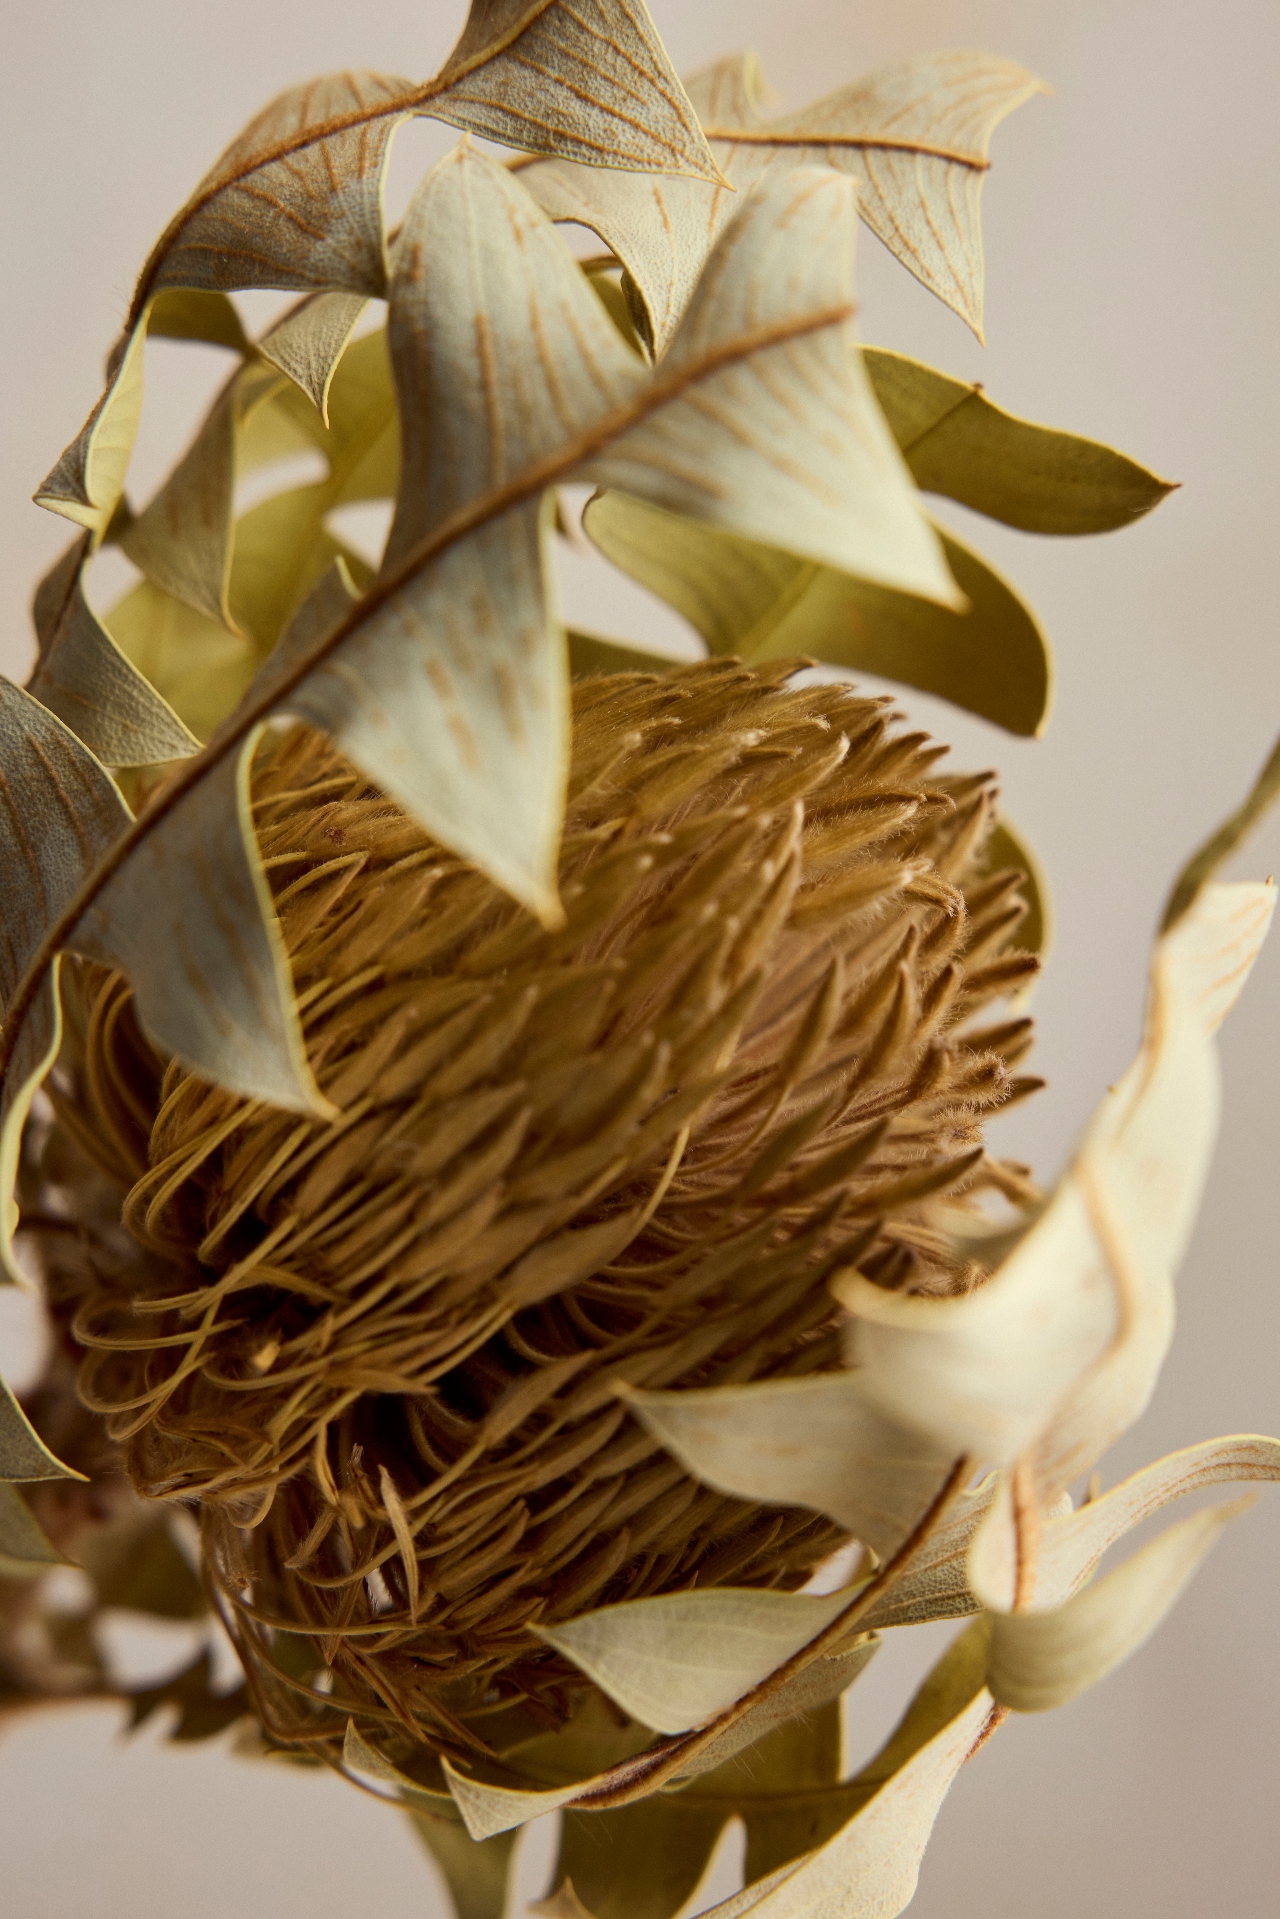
[631,1148]
[499,1117]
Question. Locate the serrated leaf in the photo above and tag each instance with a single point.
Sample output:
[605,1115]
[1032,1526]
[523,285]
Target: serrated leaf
[83,677]
[1044,1659]
[282,549]
[87,483]
[958,442]
[677,1660]
[1206,860]
[758,602]
[360,1757]
[1059,1351]
[136,1564]
[309,341]
[25,1552]
[23,1454]
[59,811]
[188,918]
[787,447]
[915,137]
[588,79]
[1069,1546]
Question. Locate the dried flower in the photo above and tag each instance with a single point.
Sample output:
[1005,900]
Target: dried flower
[632,1148]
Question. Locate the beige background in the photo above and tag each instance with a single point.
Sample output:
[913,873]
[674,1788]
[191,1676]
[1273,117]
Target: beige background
[1131,227]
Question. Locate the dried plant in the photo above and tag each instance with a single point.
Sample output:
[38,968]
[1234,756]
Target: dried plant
[497,1117]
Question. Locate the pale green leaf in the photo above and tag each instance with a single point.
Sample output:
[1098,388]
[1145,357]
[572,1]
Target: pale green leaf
[914,136]
[815,1442]
[183,540]
[677,1660]
[1069,1546]
[958,442]
[592,653]
[359,1756]
[793,1703]
[309,341]
[87,483]
[1059,1351]
[1005,848]
[488,1810]
[588,79]
[281,549]
[757,602]
[869,1868]
[84,678]
[1044,1659]
[25,1551]
[563,1903]
[198,666]
[1205,862]
[188,918]
[23,1454]
[787,446]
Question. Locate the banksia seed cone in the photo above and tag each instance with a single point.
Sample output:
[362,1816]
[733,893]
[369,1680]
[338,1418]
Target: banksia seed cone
[384,1351]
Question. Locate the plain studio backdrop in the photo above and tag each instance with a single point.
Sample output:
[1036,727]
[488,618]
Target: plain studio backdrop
[1132,283]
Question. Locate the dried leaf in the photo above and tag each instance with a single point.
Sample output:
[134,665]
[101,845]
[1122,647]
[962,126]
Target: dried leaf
[637,1862]
[914,136]
[135,1563]
[183,313]
[87,483]
[1069,1546]
[1060,1350]
[59,811]
[189,919]
[309,341]
[1220,845]
[198,666]
[588,79]
[958,442]
[787,446]
[25,1552]
[23,1454]
[83,677]
[757,602]
[677,1660]
[564,1903]
[1044,1659]
[476,1871]
[360,1757]
[201,1712]
[851,1463]
[182,542]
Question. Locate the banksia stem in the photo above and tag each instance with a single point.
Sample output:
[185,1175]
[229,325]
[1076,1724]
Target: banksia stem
[633,1148]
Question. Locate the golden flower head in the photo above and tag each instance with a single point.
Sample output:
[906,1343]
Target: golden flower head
[384,1351]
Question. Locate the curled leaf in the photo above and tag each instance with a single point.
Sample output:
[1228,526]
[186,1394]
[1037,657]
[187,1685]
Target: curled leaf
[23,1454]
[1044,1659]
[309,341]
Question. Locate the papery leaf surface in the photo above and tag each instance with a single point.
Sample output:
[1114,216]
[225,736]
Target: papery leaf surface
[190,313]
[25,1550]
[1060,1349]
[182,542]
[677,1660]
[59,812]
[188,918]
[198,666]
[914,136]
[588,79]
[83,677]
[958,442]
[641,1861]
[869,1869]
[87,482]
[309,341]
[757,602]
[787,446]
[1044,1659]
[359,1756]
